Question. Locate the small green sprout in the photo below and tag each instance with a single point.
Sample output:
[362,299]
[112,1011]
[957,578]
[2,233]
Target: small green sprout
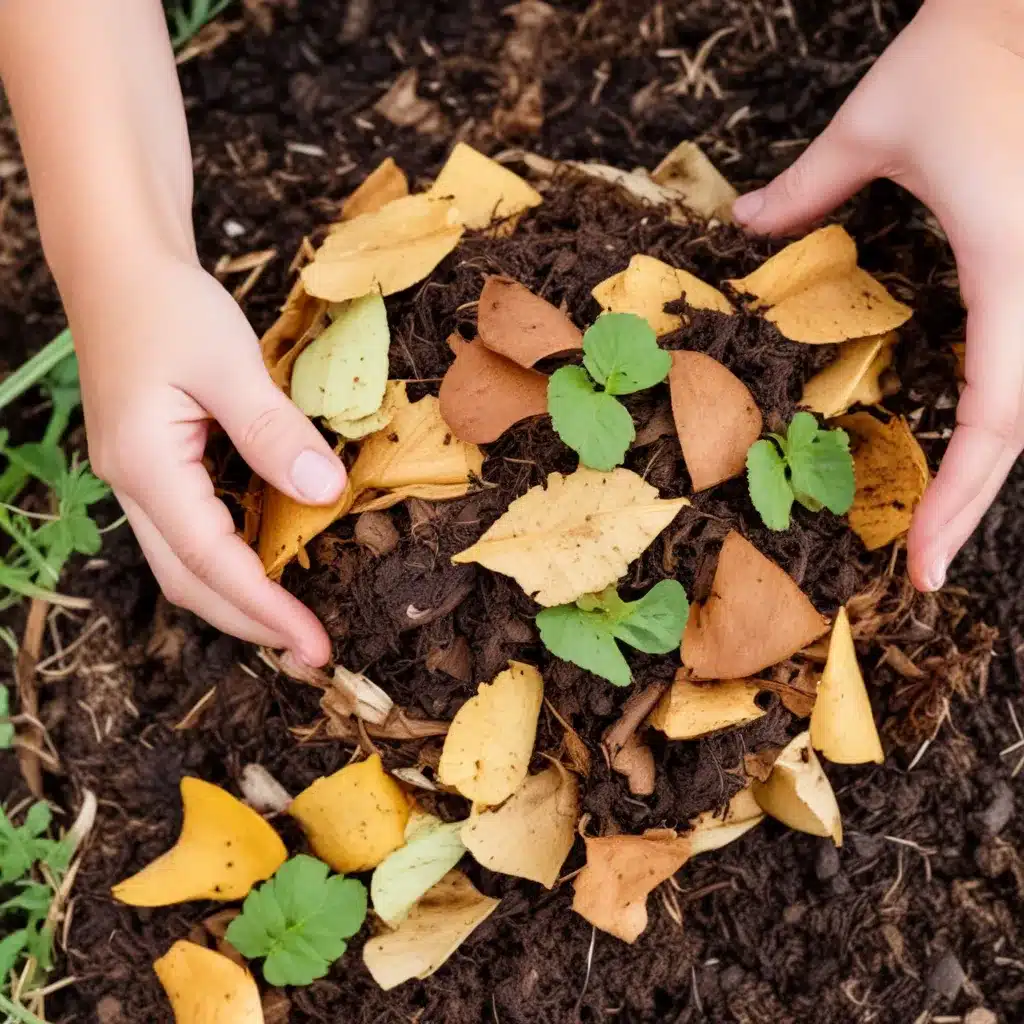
[586,632]
[298,921]
[809,465]
[620,356]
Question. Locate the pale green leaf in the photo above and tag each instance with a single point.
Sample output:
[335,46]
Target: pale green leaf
[593,423]
[769,487]
[822,470]
[655,623]
[583,638]
[620,351]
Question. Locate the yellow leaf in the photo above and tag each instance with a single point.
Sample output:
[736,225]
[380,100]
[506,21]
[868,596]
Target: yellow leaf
[575,536]
[386,182]
[755,617]
[700,184]
[224,849]
[355,817]
[482,190]
[375,502]
[287,526]
[386,251]
[488,748]
[647,285]
[842,725]
[621,871]
[205,987]
[711,831]
[688,710]
[852,379]
[816,293]
[442,920]
[798,792]
[532,833]
[892,475]
[302,318]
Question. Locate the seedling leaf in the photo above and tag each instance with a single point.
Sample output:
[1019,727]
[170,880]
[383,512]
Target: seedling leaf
[769,489]
[593,423]
[620,351]
[584,639]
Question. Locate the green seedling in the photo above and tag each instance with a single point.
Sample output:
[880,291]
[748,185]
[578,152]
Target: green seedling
[620,356]
[187,19]
[809,465]
[297,923]
[6,726]
[586,633]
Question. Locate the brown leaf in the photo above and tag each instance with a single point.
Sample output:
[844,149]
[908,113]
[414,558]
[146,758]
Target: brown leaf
[403,108]
[759,765]
[287,526]
[376,532]
[454,660]
[638,706]
[386,182]
[636,762]
[521,326]
[795,687]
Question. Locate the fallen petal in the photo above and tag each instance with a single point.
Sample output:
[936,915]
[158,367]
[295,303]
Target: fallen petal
[386,182]
[711,831]
[521,326]
[690,710]
[852,379]
[205,987]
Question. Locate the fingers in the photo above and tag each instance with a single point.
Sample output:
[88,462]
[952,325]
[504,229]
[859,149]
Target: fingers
[987,440]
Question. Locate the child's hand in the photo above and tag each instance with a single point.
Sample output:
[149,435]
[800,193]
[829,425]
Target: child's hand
[942,114]
[163,354]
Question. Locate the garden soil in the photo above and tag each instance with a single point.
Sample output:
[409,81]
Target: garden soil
[916,917]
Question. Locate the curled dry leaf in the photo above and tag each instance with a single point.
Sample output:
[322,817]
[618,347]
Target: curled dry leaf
[647,285]
[635,761]
[531,834]
[398,727]
[700,185]
[483,394]
[690,710]
[287,526]
[716,418]
[453,659]
[755,617]
[574,536]
[815,292]
[405,109]
[224,849]
[442,920]
[375,532]
[353,818]
[637,707]
[386,182]
[262,792]
[892,474]
[206,987]
[795,685]
[853,379]
[386,251]
[798,792]
[712,831]
[521,326]
[490,742]
[482,190]
[352,693]
[621,871]
[842,725]
[301,319]
[759,765]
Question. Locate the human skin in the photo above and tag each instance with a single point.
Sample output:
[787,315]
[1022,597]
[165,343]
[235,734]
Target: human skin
[940,113]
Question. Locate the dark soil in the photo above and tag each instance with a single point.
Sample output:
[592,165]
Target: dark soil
[779,927]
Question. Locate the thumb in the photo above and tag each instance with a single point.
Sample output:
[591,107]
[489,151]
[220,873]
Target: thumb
[828,172]
[276,438]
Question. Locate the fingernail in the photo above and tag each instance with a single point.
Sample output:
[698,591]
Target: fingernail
[747,207]
[316,478]
[936,576]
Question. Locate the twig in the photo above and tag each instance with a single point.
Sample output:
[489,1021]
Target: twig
[28,695]
[586,980]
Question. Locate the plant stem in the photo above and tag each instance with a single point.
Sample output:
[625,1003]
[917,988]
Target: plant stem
[18,1013]
[32,372]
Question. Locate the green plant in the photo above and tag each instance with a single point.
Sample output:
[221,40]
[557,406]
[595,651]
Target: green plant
[6,726]
[810,465]
[298,921]
[187,19]
[586,632]
[620,356]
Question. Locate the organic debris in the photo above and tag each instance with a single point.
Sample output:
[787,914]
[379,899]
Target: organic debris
[205,987]
[842,724]
[521,326]
[621,871]
[386,182]
[488,748]
[798,792]
[635,761]
[224,849]
[854,377]
[287,526]
[574,536]
[814,292]
[439,923]
[716,418]
[531,834]
[700,185]
[711,830]
[755,617]
[302,318]
[690,710]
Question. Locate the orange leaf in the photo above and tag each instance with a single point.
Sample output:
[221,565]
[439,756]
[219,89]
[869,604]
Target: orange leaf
[514,322]
[386,182]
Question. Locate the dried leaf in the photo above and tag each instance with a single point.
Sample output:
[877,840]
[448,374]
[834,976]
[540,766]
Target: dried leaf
[755,617]
[403,108]
[852,379]
[224,849]
[842,725]
[759,765]
[716,418]
[798,793]
[386,182]
[690,710]
[302,318]
[483,394]
[454,660]
[434,929]
[262,792]
[892,474]
[531,834]
[205,987]
[287,526]
[482,190]
[635,761]
[386,251]
[712,831]
[521,326]
[489,745]
[700,184]
[375,532]
[353,818]
[647,285]
[574,536]
[621,871]
[352,693]
[815,292]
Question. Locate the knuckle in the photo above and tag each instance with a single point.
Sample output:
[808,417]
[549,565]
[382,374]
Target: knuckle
[265,428]
[175,586]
